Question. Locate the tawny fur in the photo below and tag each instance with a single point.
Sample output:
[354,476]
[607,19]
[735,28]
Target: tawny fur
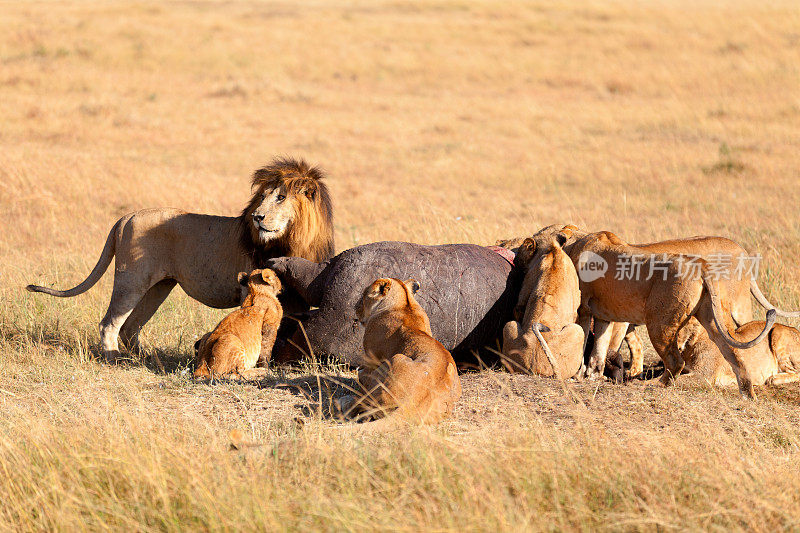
[289,214]
[665,303]
[409,373]
[550,297]
[622,332]
[247,334]
[700,354]
[775,362]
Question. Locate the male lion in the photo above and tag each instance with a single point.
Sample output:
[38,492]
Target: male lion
[408,372]
[551,298]
[247,334]
[290,214]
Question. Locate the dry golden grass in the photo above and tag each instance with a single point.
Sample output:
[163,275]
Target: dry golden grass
[449,121]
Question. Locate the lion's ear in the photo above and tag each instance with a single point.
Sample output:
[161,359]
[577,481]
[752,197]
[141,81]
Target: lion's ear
[413,285]
[271,278]
[243,278]
[383,287]
[560,240]
[529,245]
[569,230]
[311,191]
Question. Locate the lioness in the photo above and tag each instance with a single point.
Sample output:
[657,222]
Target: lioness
[290,213]
[774,362]
[525,249]
[247,334]
[699,352]
[551,298]
[664,303]
[408,372]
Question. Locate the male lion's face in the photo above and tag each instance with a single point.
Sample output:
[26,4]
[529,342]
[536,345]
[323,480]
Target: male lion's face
[272,213]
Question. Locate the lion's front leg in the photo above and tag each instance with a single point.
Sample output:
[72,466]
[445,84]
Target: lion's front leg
[603,331]
[585,322]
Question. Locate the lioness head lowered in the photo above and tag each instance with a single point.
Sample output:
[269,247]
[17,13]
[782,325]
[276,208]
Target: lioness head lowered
[542,240]
[384,294]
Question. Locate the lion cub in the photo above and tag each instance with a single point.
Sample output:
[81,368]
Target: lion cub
[241,337]
[409,372]
[550,298]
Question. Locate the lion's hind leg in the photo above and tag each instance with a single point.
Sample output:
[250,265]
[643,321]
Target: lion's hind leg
[738,358]
[227,356]
[124,299]
[424,390]
[369,401]
[664,323]
[663,337]
[143,312]
[397,384]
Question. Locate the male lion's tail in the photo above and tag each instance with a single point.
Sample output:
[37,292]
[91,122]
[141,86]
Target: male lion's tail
[759,296]
[99,269]
[721,323]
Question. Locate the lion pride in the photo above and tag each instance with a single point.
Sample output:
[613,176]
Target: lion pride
[665,304]
[701,355]
[289,214]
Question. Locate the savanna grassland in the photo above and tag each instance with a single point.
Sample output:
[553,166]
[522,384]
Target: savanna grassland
[445,121]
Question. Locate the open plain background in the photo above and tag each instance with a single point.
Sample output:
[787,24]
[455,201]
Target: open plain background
[443,121]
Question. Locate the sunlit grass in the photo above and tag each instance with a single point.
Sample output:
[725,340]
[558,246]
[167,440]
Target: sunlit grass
[452,121]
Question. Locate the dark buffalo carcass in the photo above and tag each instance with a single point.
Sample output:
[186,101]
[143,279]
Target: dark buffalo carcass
[468,291]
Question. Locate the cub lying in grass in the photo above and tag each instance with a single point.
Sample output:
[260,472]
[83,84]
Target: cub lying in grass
[408,371]
[241,337]
[551,298]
